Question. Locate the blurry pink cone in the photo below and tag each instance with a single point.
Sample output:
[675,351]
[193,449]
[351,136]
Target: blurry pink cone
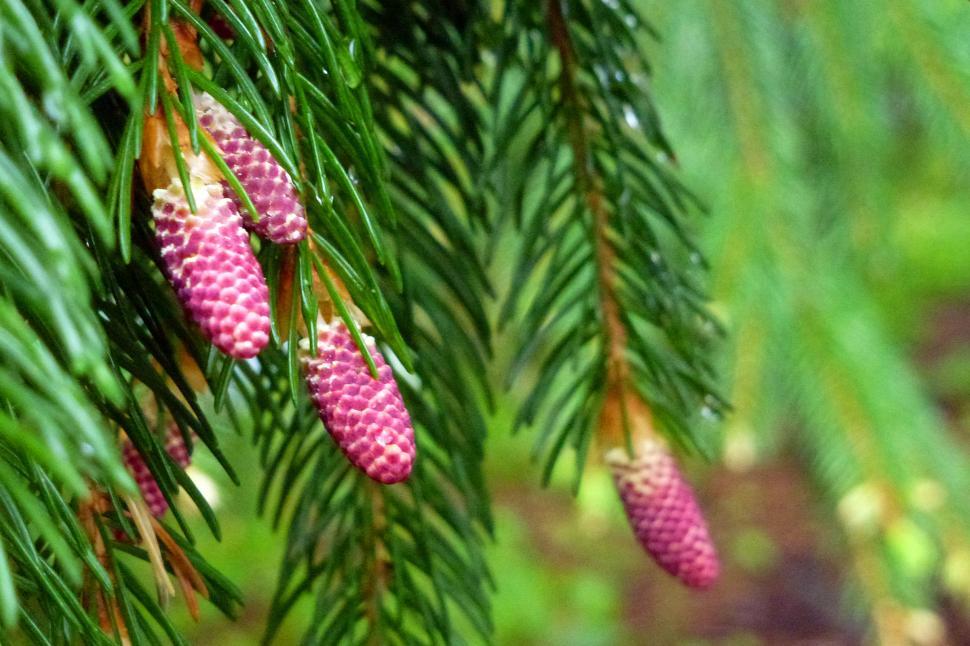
[176,448]
[210,264]
[663,513]
[270,188]
[150,491]
[365,416]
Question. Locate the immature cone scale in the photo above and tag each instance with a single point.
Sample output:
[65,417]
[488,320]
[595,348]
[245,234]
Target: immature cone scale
[210,264]
[663,512]
[281,216]
[366,416]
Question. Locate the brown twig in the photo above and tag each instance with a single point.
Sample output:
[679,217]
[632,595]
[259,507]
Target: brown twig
[619,407]
[109,612]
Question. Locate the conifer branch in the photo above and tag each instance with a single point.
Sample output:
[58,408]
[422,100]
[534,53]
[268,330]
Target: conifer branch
[613,330]
[386,126]
[609,202]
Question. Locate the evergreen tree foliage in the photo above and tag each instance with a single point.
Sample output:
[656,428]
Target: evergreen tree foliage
[490,194]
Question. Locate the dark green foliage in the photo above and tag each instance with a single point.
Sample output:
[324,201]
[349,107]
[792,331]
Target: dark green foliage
[405,124]
[602,218]
[404,561]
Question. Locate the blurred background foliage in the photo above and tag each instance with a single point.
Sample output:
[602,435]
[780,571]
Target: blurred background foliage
[830,143]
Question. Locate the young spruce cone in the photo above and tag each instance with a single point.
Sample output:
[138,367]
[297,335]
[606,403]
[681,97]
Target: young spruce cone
[212,267]
[269,186]
[366,416]
[176,448]
[663,512]
[150,491]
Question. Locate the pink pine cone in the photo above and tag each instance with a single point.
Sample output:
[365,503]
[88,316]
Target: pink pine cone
[175,446]
[664,514]
[150,492]
[210,264]
[365,416]
[270,188]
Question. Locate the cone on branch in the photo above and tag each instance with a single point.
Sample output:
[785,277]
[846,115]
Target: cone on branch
[365,416]
[206,255]
[210,264]
[147,485]
[281,216]
[150,491]
[659,503]
[177,449]
[663,512]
